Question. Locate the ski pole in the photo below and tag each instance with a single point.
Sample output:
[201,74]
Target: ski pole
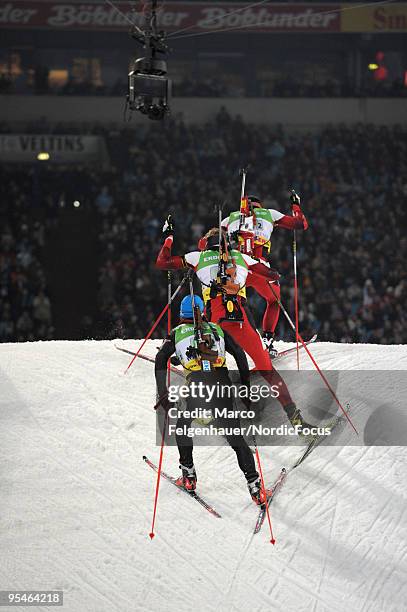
[244,174]
[287,316]
[160,316]
[263,488]
[157,485]
[294,199]
[296,297]
[192,294]
[169,278]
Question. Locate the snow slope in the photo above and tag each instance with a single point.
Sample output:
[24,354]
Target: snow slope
[76,499]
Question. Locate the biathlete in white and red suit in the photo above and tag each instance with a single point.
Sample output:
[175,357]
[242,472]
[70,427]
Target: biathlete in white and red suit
[250,228]
[223,300]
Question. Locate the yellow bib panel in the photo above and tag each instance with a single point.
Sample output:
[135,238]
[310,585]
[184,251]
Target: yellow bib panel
[206,293]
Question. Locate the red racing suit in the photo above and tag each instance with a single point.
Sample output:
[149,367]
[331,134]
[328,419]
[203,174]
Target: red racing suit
[260,283]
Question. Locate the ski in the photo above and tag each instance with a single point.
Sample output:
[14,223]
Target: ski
[146,358]
[294,348]
[177,371]
[313,443]
[316,440]
[192,494]
[263,509]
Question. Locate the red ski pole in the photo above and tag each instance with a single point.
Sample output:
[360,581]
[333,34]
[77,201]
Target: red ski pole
[160,316]
[169,324]
[287,316]
[158,319]
[169,301]
[263,488]
[295,200]
[296,298]
[157,486]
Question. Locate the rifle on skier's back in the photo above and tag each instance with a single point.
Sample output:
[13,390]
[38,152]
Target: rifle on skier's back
[204,341]
[225,280]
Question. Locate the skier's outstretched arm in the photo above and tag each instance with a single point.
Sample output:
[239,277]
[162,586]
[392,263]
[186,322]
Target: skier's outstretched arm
[161,360]
[296,222]
[166,261]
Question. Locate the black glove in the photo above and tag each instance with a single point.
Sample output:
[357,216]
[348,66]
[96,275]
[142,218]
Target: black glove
[274,274]
[295,198]
[168,227]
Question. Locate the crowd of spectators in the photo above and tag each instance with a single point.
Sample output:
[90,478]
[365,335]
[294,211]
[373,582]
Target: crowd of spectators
[290,87]
[353,186]
[25,308]
[352,180]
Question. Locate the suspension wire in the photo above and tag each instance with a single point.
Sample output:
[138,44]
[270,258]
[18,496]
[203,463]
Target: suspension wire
[231,29]
[116,8]
[155,11]
[242,8]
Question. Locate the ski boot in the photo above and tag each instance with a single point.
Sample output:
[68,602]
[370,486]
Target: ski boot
[295,417]
[256,492]
[268,340]
[188,478]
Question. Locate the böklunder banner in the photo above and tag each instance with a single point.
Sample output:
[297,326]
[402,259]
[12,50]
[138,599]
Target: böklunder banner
[172,16]
[187,18]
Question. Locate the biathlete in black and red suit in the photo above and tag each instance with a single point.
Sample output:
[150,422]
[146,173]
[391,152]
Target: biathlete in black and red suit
[224,304]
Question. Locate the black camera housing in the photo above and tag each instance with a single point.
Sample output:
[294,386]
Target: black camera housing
[149,88]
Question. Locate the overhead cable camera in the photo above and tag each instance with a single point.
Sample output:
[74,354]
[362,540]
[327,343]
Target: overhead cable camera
[149,88]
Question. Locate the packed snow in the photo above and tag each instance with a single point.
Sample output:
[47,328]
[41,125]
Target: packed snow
[76,498]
